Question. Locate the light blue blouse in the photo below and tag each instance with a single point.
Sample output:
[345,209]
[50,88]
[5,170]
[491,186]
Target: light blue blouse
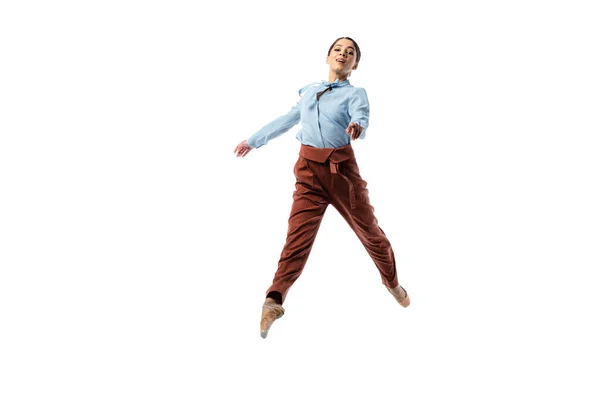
[323,121]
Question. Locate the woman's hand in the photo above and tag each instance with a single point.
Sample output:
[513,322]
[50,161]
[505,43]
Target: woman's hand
[242,149]
[354,130]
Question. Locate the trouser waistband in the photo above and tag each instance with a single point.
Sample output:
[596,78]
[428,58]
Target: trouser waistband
[335,157]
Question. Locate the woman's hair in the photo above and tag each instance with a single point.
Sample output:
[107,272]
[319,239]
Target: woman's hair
[355,45]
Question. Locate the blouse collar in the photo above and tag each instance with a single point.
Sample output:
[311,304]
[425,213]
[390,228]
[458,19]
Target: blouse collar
[336,83]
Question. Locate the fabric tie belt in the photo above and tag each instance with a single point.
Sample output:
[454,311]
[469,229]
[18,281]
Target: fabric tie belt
[335,157]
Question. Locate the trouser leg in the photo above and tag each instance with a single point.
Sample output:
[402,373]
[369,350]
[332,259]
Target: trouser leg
[308,207]
[362,220]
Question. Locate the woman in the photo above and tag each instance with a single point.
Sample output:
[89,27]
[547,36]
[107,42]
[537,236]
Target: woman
[332,113]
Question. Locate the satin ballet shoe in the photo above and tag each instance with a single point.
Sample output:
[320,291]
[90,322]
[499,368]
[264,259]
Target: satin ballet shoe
[271,311]
[401,295]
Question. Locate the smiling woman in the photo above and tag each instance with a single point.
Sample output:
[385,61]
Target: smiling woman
[332,114]
[338,46]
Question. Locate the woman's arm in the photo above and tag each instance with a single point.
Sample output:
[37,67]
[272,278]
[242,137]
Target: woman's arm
[358,108]
[276,128]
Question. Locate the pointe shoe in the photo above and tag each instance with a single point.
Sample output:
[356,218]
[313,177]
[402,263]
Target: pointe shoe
[401,295]
[271,311]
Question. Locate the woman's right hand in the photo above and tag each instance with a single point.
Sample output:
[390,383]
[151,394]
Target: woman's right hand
[242,149]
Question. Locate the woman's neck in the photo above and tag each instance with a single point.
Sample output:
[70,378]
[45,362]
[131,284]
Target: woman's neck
[333,76]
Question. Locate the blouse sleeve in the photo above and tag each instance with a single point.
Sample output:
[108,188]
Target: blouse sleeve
[276,127]
[358,109]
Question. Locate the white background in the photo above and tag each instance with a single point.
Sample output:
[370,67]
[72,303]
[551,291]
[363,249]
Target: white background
[136,249]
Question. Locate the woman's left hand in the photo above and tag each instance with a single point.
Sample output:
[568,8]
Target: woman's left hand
[354,130]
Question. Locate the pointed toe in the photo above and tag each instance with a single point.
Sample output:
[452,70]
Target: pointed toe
[401,295]
[270,312]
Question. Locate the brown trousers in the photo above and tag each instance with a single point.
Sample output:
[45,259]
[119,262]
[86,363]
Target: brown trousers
[330,176]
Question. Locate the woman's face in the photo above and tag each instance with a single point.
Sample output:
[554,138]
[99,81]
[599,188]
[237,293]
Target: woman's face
[342,57]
